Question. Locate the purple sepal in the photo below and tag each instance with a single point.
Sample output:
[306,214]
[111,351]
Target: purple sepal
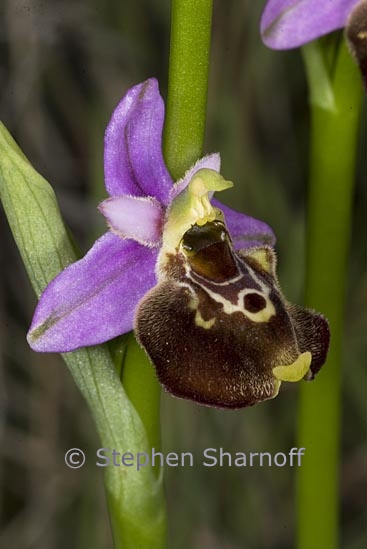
[287,24]
[133,157]
[94,299]
[245,231]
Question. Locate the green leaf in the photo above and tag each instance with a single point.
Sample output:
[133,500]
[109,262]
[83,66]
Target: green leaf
[135,497]
[33,214]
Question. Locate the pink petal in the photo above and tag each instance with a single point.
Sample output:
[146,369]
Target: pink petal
[138,218]
[94,299]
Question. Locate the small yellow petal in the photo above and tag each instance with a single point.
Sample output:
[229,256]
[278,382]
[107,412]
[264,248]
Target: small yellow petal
[277,385]
[295,371]
[264,256]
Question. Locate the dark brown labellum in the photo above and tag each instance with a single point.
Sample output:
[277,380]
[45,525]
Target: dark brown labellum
[217,324]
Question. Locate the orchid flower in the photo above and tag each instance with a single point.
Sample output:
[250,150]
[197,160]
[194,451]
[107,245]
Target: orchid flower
[193,277]
[287,24]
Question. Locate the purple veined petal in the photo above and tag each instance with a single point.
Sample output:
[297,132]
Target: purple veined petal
[133,160]
[287,24]
[94,299]
[245,231]
[138,218]
[210,161]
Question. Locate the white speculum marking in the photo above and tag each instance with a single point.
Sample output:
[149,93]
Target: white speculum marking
[194,306]
[261,316]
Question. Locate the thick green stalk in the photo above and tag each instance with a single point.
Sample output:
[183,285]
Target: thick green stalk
[187,83]
[183,142]
[335,98]
[142,388]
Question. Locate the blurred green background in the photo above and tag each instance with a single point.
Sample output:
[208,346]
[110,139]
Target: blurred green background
[64,65]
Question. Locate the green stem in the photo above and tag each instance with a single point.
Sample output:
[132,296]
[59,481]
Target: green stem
[183,141]
[335,113]
[187,83]
[142,388]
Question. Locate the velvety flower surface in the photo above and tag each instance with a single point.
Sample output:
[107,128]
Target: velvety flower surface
[95,299]
[216,325]
[356,33]
[288,24]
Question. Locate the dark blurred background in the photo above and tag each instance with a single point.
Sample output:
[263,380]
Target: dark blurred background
[64,65]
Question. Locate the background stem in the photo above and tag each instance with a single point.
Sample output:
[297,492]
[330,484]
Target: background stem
[335,114]
[187,84]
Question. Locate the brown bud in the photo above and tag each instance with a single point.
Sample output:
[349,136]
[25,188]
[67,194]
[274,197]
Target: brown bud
[356,33]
